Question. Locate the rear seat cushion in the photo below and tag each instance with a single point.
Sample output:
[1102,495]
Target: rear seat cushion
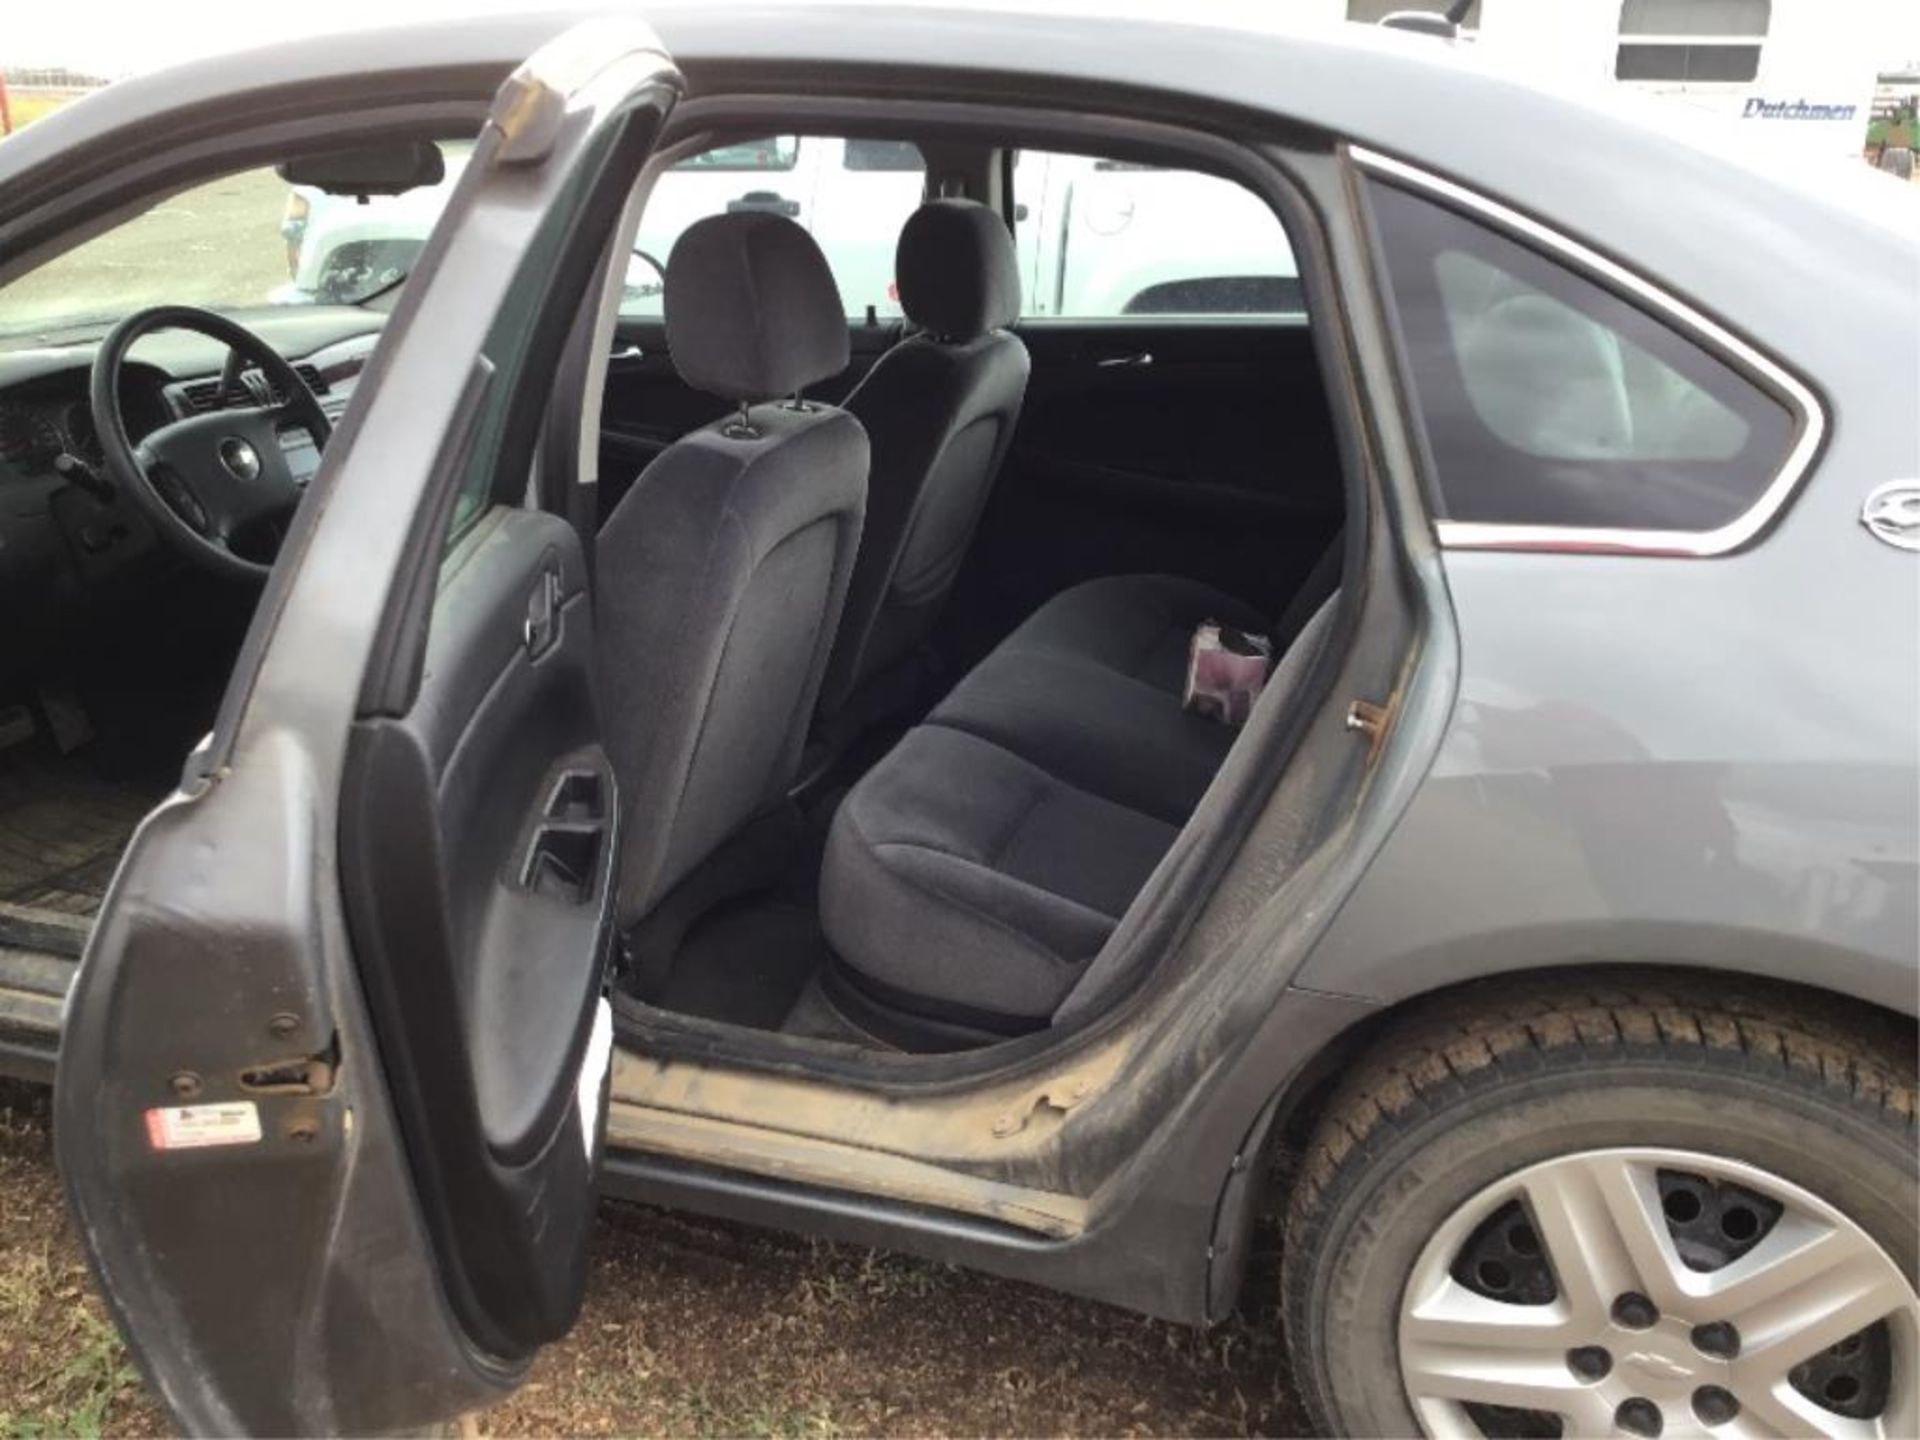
[984,862]
[963,876]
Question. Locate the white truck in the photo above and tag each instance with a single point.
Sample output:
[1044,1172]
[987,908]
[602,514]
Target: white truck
[1095,237]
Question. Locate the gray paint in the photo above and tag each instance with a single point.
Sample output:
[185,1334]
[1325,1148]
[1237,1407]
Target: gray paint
[1697,761]
[1710,761]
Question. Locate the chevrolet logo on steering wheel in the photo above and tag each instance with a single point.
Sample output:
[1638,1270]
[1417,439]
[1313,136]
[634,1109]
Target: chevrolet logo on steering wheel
[241,459]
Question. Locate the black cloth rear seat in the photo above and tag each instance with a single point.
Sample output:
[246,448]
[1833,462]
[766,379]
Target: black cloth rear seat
[976,871]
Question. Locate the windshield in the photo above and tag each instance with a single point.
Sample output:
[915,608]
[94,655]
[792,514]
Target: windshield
[247,239]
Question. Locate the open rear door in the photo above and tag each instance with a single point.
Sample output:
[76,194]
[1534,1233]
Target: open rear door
[331,1095]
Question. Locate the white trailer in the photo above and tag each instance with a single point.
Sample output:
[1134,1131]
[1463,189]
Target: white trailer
[1797,74]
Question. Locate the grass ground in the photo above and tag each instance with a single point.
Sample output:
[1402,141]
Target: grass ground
[27,108]
[696,1327]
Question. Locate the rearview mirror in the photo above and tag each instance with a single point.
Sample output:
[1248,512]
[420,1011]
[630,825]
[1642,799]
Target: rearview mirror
[369,170]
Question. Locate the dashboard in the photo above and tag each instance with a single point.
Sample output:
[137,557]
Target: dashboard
[64,532]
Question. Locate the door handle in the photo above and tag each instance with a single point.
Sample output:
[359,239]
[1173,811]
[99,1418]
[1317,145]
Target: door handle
[1137,360]
[767,200]
[542,625]
[625,354]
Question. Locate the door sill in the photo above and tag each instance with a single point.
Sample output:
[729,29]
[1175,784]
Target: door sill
[638,1132]
[34,980]
[992,1150]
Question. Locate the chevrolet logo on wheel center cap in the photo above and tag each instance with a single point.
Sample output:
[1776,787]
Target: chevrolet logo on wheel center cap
[242,461]
[1653,1362]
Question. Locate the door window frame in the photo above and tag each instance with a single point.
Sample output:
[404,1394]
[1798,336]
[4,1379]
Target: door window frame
[1272,166]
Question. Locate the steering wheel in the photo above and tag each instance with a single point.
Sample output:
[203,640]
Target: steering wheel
[208,480]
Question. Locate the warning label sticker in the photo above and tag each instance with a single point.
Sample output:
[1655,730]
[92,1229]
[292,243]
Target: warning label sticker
[193,1127]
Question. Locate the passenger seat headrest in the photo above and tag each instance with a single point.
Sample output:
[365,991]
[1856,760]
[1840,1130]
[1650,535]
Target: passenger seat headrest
[752,311]
[956,270]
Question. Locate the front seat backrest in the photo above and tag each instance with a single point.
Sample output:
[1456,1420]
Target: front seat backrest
[722,572]
[940,409]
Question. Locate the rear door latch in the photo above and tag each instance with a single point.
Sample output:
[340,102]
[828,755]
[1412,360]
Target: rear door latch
[1366,718]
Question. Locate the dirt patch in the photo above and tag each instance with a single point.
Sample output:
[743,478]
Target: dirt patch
[62,1368]
[699,1327]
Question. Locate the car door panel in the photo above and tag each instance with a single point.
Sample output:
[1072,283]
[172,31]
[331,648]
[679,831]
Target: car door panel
[1197,447]
[478,845]
[331,1094]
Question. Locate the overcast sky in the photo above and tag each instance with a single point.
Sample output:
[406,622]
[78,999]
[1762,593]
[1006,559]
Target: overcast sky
[115,37]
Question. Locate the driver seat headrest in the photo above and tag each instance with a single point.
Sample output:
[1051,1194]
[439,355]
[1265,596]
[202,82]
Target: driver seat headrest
[956,270]
[751,308]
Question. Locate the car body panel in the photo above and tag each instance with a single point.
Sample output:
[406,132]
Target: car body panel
[1713,237]
[1604,796]
[1572,740]
[1701,760]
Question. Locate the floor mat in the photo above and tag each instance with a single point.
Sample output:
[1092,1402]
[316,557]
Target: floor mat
[815,1017]
[755,960]
[746,963]
[62,831]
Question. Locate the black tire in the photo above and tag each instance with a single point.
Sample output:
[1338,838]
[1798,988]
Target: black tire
[1505,1074]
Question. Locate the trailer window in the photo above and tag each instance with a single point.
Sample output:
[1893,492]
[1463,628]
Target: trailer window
[1691,42]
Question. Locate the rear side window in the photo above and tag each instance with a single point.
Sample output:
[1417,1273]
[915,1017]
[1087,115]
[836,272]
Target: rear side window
[1549,400]
[893,155]
[1105,239]
[775,153]
[851,195]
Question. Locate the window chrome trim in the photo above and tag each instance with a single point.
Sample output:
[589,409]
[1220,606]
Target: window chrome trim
[1799,398]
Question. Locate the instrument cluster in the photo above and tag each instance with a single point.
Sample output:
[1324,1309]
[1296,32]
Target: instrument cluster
[35,433]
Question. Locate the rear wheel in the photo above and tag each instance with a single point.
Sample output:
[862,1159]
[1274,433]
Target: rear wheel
[1653,1209]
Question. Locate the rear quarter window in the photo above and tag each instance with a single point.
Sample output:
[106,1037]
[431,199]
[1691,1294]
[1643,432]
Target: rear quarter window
[1550,400]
